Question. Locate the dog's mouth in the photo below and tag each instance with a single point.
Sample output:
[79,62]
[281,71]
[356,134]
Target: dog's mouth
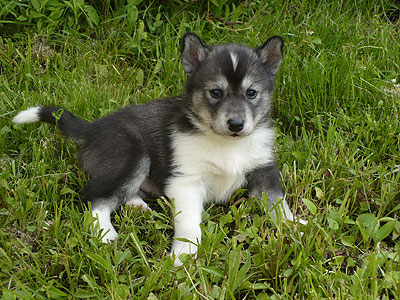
[227,133]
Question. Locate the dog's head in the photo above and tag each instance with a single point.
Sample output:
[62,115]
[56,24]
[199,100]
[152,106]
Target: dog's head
[230,87]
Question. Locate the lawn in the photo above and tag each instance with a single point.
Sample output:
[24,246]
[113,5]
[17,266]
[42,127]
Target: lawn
[337,106]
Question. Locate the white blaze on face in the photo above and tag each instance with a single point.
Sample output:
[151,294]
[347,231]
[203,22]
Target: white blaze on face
[234,59]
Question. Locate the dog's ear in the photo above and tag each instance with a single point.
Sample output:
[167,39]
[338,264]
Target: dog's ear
[271,53]
[193,51]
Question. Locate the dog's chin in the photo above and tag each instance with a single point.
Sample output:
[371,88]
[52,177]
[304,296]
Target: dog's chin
[238,135]
[230,134]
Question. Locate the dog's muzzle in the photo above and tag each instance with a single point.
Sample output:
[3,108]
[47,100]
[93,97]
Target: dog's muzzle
[235,125]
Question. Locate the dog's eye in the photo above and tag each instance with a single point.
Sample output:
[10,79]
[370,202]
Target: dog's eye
[217,93]
[251,94]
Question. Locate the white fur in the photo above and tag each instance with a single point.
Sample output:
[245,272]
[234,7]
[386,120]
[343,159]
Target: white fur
[28,116]
[219,81]
[248,82]
[103,223]
[188,203]
[234,59]
[220,162]
[210,167]
[138,203]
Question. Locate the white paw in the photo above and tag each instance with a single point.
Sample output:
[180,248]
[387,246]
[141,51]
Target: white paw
[179,247]
[109,236]
[301,221]
[102,224]
[138,203]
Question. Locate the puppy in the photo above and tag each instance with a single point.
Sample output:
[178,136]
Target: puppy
[195,148]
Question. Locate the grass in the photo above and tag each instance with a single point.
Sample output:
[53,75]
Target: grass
[338,144]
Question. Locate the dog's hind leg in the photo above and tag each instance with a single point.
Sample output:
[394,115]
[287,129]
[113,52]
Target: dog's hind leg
[102,208]
[117,165]
[127,193]
[101,212]
[132,186]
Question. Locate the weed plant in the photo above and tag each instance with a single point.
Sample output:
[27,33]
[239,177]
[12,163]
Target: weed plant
[337,106]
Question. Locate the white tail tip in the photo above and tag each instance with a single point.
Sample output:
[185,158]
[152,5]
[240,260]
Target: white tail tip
[28,116]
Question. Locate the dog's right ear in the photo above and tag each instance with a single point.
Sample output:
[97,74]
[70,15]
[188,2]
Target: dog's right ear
[193,51]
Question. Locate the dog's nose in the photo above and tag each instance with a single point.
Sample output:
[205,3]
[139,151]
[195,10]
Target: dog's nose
[235,125]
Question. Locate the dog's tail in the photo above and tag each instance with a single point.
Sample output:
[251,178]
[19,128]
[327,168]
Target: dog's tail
[69,124]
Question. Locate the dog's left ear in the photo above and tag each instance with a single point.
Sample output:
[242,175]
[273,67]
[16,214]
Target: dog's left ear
[271,53]
[193,51]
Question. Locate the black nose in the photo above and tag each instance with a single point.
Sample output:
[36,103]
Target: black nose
[235,125]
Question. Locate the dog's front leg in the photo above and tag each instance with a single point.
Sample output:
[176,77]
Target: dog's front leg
[267,180]
[188,203]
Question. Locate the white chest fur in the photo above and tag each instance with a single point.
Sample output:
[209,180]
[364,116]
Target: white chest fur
[218,163]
